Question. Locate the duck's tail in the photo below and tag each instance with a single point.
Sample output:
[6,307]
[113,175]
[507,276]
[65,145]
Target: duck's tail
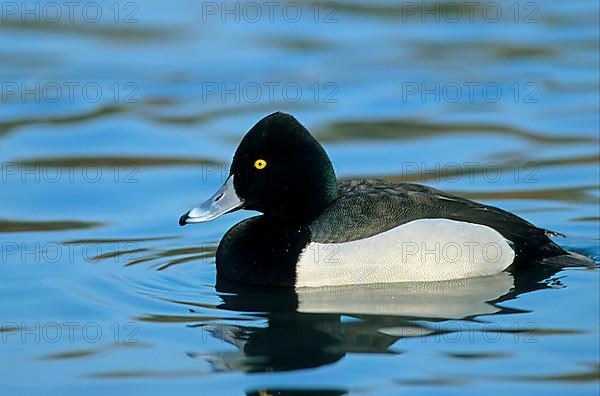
[570,259]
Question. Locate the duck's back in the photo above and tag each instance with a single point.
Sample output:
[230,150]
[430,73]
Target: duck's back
[377,231]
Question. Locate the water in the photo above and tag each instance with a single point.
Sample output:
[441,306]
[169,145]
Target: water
[101,290]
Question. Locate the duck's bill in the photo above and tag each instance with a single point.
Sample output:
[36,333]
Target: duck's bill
[225,200]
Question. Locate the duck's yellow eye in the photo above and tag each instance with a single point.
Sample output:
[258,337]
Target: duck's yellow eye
[260,164]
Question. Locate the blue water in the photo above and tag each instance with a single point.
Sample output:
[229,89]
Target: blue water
[113,124]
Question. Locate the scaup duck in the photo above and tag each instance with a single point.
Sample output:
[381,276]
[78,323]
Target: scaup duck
[318,231]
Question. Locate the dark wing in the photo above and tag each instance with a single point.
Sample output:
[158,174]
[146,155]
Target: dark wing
[368,207]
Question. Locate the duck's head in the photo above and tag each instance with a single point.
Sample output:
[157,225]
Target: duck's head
[278,169]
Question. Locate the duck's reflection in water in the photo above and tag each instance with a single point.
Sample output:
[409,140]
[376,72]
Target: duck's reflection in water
[317,326]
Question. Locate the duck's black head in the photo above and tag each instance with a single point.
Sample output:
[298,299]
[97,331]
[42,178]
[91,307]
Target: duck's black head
[278,169]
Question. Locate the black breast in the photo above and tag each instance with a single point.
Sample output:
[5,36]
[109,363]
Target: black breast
[263,252]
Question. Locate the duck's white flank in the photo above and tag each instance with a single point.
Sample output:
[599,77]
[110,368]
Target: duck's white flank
[421,250]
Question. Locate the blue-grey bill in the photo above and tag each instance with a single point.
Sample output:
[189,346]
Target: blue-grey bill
[225,200]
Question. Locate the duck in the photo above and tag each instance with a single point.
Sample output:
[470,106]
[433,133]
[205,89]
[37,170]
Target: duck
[317,231]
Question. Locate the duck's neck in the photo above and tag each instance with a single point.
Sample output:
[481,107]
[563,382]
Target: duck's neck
[310,198]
